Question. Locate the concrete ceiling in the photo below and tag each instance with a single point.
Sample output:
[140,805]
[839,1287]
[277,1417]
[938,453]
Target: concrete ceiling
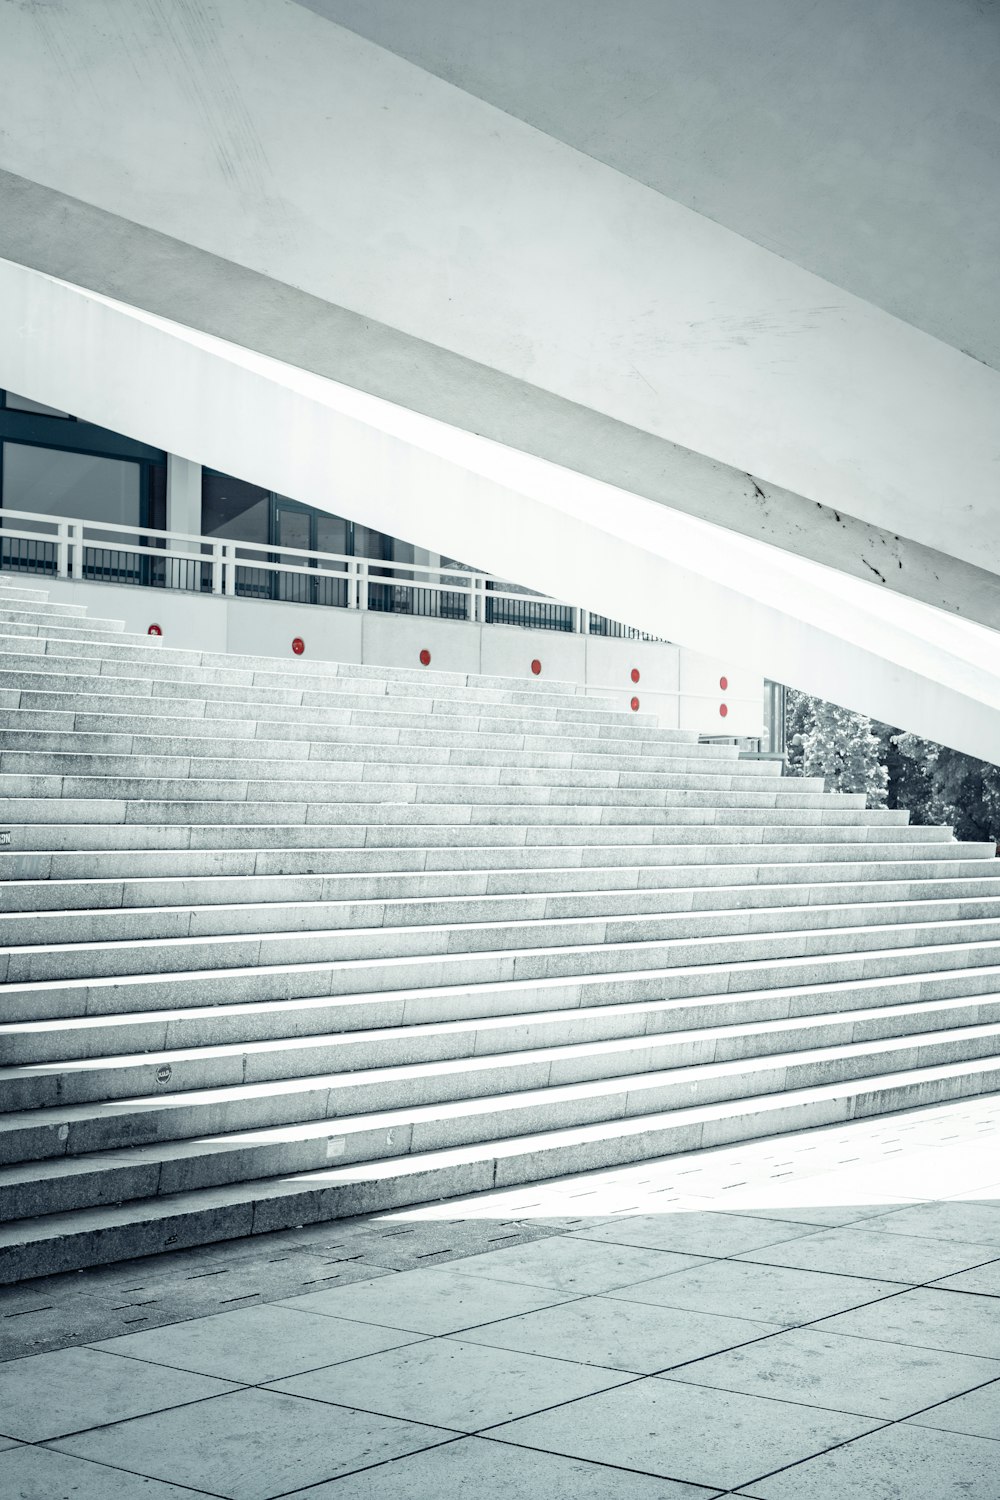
[858,138]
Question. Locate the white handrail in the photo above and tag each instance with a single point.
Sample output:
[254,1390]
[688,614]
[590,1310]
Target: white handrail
[182,557]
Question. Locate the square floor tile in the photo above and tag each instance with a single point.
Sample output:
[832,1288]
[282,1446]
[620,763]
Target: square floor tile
[694,1233]
[453,1384]
[874,1253]
[773,1294]
[257,1344]
[977,1414]
[43,1474]
[618,1335]
[841,1374]
[973,1223]
[571,1265]
[252,1444]
[46,1395]
[435,1300]
[498,1471]
[685,1433]
[931,1319]
[892,1465]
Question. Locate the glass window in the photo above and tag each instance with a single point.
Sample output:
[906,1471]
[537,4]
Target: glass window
[13,402]
[371,543]
[50,481]
[232,508]
[333,534]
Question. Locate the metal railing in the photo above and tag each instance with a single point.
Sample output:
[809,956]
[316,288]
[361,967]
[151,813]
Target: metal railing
[104,552]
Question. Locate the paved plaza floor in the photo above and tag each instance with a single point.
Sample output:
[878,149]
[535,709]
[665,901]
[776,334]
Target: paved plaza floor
[810,1317]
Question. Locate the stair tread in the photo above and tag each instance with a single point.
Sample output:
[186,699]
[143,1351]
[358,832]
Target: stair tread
[28,1231]
[483,1025]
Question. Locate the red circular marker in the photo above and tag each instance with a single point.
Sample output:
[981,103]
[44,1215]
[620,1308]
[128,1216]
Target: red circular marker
[154,630]
[723,683]
[425,657]
[723,710]
[635,705]
[536,666]
[635,674]
[298,645]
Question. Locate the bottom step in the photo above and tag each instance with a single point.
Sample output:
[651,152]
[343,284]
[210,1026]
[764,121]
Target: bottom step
[101,1236]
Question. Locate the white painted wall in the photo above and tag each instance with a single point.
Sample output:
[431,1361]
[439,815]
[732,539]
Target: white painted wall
[739,602]
[206,622]
[292,147]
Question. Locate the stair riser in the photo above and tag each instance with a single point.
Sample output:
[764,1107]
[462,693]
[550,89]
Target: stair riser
[23,606]
[52,753]
[22,637]
[86,663]
[335,741]
[536,893]
[623,920]
[23,773]
[383,957]
[404,992]
[103,693]
[342,781]
[84,826]
[677,864]
[202,1164]
[973,994]
[651,917]
[229,801]
[628,1039]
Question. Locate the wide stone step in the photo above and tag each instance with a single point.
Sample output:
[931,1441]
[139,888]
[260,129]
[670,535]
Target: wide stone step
[221,771]
[18,603]
[475,953]
[527,893]
[290,1034]
[33,638]
[297,709]
[201,856]
[229,800]
[622,734]
[14,586]
[475,1029]
[96,659]
[391,991]
[625,917]
[28,671]
[602,1042]
[249,1132]
[98,1236]
[275,739]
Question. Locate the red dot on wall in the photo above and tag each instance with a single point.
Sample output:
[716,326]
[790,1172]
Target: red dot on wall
[635,674]
[154,630]
[635,705]
[723,683]
[723,710]
[425,657]
[536,666]
[298,645]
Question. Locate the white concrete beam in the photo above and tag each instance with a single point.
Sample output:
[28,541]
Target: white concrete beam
[293,150]
[545,526]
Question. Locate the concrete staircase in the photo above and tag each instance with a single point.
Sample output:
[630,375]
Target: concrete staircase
[285,940]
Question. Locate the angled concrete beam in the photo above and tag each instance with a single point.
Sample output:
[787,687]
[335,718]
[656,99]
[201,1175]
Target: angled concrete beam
[303,192]
[514,514]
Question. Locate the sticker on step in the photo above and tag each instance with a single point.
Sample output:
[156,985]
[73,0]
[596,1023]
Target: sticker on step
[4,837]
[336,1147]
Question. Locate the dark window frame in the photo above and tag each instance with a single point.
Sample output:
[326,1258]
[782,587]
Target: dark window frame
[70,435]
